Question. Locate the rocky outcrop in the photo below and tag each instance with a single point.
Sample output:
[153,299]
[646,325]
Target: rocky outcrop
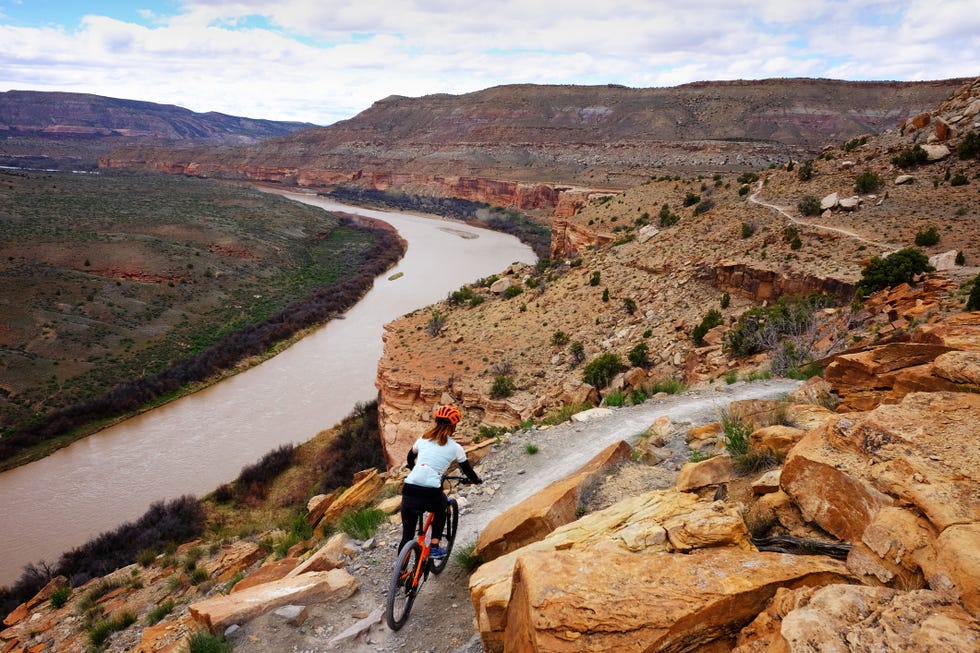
[935,357]
[556,505]
[599,600]
[658,521]
[762,285]
[902,483]
[854,618]
[219,612]
[569,239]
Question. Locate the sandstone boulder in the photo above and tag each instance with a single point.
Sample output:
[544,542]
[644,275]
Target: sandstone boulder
[219,612]
[776,439]
[362,493]
[855,618]
[829,202]
[768,483]
[935,152]
[807,416]
[959,367]
[649,522]
[943,261]
[268,572]
[576,392]
[920,456]
[852,203]
[904,179]
[540,514]
[501,285]
[610,601]
[714,470]
[327,557]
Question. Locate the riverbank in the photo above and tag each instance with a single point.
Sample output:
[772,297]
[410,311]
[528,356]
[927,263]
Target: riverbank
[193,445]
[146,288]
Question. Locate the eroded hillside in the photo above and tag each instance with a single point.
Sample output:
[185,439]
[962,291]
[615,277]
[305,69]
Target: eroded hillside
[645,266]
[596,136]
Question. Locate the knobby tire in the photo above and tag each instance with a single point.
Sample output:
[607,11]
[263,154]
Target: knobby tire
[401,591]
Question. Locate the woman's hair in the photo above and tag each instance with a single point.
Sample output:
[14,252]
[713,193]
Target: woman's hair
[440,432]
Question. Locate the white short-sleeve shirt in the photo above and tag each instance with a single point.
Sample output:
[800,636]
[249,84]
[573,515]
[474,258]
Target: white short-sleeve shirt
[433,461]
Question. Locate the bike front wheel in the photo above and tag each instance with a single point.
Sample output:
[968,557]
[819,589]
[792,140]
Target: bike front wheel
[449,536]
[403,587]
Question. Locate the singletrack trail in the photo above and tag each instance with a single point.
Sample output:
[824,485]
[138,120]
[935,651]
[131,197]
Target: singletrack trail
[753,198]
[442,618]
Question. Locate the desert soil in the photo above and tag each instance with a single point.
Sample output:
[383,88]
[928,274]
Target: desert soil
[442,618]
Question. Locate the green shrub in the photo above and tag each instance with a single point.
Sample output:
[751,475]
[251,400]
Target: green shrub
[763,328]
[490,433]
[704,206]
[747,230]
[199,576]
[531,448]
[204,642]
[747,178]
[691,199]
[595,278]
[630,305]
[854,143]
[808,205]
[639,355]
[576,353]
[601,370]
[605,296]
[726,300]
[158,612]
[959,179]
[796,243]
[615,398]
[927,237]
[461,296]
[868,182]
[758,375]
[969,147]
[254,480]
[667,218]
[637,397]
[435,324]
[362,524]
[467,557]
[710,321]
[897,268]
[60,596]
[559,338]
[668,386]
[910,157]
[789,233]
[743,190]
[502,388]
[960,258]
[973,303]
[512,291]
[736,436]
[731,376]
[805,171]
[99,632]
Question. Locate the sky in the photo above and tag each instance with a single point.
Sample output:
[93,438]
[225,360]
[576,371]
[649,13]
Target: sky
[321,61]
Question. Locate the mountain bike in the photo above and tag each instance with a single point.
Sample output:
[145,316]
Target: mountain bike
[413,564]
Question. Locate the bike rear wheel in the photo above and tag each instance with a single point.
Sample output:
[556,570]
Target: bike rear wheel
[448,537]
[403,587]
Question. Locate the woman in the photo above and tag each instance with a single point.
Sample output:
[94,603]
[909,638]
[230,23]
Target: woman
[429,458]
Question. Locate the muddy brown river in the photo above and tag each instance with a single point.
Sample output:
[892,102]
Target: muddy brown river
[192,445]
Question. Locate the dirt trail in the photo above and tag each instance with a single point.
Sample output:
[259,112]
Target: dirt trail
[789,216]
[442,618]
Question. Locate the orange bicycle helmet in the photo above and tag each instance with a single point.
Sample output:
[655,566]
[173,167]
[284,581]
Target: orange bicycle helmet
[448,412]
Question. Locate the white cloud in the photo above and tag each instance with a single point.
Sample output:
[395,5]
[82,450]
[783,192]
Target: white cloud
[323,61]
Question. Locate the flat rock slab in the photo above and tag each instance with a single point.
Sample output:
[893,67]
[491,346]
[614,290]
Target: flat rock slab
[219,612]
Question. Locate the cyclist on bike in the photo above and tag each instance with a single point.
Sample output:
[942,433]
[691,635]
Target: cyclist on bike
[428,460]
